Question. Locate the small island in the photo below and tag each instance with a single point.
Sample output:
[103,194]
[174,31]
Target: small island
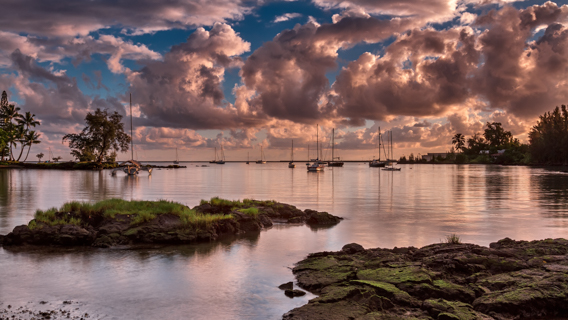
[445,281]
[119,222]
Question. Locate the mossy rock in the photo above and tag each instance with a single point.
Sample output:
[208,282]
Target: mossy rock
[385,289]
[444,309]
[397,275]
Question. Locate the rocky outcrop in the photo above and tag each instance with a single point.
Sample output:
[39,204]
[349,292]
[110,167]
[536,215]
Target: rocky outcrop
[509,280]
[167,228]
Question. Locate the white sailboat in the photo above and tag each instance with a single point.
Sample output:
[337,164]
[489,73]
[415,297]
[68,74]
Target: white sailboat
[333,162]
[291,164]
[377,163]
[131,167]
[176,161]
[390,160]
[261,161]
[317,165]
[221,158]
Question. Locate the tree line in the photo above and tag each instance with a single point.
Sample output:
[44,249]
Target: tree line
[548,144]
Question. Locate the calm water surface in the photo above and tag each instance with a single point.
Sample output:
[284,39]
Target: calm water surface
[238,278]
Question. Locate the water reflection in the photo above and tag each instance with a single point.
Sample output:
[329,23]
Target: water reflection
[238,278]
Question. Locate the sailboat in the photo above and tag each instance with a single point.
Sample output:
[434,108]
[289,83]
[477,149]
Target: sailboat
[214,161]
[334,163]
[390,157]
[291,164]
[317,165]
[377,163]
[221,158]
[261,161]
[131,167]
[248,158]
[176,161]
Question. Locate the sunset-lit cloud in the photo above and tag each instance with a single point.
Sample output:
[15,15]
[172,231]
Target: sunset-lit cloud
[423,70]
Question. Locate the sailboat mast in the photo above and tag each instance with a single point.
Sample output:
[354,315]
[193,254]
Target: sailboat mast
[379,144]
[131,136]
[332,143]
[317,141]
[292,150]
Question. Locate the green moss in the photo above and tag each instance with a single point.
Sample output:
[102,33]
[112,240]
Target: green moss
[385,289]
[452,309]
[397,275]
[335,293]
[319,263]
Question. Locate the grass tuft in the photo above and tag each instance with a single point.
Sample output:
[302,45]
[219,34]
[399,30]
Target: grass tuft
[252,211]
[453,239]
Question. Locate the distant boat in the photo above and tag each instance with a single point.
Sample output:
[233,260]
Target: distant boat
[176,161]
[377,163]
[317,165]
[221,158]
[261,161]
[291,164]
[248,158]
[131,167]
[214,161]
[334,163]
[390,156]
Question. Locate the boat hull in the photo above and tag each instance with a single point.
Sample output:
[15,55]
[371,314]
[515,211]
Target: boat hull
[373,164]
[335,164]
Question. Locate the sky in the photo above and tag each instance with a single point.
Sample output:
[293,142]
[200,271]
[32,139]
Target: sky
[243,74]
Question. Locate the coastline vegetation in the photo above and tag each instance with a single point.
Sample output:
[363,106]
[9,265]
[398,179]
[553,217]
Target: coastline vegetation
[548,145]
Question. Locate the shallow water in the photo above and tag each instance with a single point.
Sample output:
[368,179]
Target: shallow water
[238,278]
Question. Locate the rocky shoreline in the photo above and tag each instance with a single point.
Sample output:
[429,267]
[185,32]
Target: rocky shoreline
[507,280]
[100,230]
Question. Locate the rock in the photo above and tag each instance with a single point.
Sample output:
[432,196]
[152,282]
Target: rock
[352,248]
[509,280]
[105,230]
[320,218]
[294,293]
[286,286]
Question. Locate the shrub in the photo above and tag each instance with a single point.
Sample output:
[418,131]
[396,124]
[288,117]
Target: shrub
[453,239]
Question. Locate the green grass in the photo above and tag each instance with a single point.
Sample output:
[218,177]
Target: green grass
[252,211]
[141,211]
[453,239]
[236,204]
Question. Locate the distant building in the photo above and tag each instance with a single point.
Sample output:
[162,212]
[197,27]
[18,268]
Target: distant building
[430,156]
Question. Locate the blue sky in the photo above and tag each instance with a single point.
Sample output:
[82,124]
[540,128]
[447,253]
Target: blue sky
[248,73]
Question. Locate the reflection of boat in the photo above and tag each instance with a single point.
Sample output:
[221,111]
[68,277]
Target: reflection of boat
[291,164]
[390,156]
[317,165]
[261,161]
[334,163]
[221,158]
[176,161]
[377,163]
[131,168]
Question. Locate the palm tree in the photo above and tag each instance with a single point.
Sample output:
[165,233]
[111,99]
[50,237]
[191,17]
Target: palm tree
[31,138]
[459,141]
[20,134]
[39,156]
[11,112]
[28,120]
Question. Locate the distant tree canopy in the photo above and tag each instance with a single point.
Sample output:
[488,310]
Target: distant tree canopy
[549,137]
[104,133]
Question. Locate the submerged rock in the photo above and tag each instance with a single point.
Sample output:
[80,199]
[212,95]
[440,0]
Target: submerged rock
[509,280]
[101,229]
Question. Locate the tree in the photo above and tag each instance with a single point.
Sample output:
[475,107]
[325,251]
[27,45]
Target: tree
[28,120]
[496,135]
[56,159]
[549,137]
[31,138]
[459,141]
[39,156]
[104,132]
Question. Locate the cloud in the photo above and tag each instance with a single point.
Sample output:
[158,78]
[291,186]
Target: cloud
[286,17]
[184,90]
[72,18]
[288,74]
